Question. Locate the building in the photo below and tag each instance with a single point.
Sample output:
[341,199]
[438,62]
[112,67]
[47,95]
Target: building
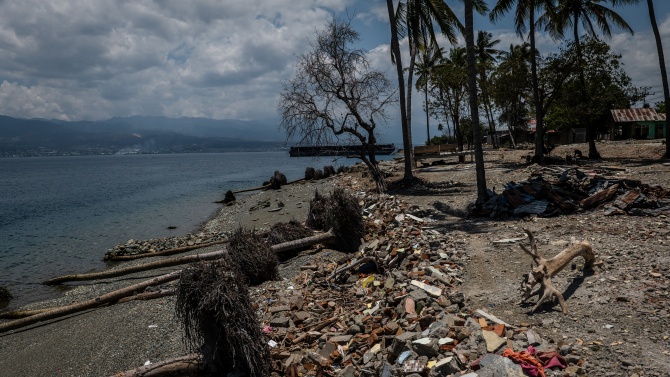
[644,123]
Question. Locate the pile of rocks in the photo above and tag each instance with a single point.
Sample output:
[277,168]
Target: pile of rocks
[134,247]
[393,308]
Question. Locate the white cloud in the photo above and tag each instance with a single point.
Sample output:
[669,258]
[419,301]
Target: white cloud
[88,59]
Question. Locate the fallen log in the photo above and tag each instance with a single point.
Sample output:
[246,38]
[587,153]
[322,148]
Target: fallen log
[176,250]
[88,304]
[279,248]
[140,296]
[190,365]
[545,269]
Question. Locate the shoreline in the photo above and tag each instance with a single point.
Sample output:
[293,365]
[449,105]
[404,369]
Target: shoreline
[109,339]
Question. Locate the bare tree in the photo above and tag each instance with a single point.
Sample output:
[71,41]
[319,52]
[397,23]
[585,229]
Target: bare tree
[336,93]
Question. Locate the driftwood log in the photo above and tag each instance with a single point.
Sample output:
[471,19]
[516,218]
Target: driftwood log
[139,296]
[545,269]
[190,365]
[88,304]
[326,237]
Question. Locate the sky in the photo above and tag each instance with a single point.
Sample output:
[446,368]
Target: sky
[96,59]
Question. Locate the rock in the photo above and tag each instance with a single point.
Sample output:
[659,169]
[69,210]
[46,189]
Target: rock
[426,347]
[534,338]
[279,322]
[453,320]
[300,317]
[495,365]
[493,341]
[341,339]
[348,371]
[445,367]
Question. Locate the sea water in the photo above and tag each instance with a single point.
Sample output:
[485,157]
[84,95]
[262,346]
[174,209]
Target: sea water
[58,215]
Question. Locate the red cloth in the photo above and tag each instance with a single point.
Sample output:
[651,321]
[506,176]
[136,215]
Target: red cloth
[530,365]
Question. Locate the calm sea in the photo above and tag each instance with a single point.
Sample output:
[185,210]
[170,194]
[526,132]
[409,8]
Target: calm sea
[58,215]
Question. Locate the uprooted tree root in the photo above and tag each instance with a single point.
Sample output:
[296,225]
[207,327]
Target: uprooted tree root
[341,212]
[214,307]
[285,232]
[253,256]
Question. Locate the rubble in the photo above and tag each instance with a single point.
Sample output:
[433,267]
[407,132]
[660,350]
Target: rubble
[552,191]
[392,308]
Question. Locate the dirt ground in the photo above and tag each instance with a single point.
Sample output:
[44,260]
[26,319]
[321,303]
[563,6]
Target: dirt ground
[618,317]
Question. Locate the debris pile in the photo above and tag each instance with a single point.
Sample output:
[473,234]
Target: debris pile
[393,308]
[557,191]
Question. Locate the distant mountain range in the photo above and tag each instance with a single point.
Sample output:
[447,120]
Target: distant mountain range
[135,134]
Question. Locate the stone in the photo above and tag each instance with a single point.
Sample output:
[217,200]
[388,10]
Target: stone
[354,329]
[445,367]
[534,338]
[493,341]
[279,322]
[341,339]
[297,302]
[299,317]
[349,371]
[327,349]
[426,347]
[438,329]
[418,295]
[453,320]
[495,365]
[279,309]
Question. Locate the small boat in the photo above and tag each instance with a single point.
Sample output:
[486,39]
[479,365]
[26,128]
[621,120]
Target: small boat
[338,150]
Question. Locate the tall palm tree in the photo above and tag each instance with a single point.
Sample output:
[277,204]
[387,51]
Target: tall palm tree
[664,75]
[406,132]
[428,60]
[525,11]
[589,12]
[487,55]
[481,8]
[415,19]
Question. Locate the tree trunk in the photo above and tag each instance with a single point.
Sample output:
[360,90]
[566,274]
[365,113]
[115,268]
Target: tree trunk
[425,93]
[88,304]
[539,127]
[410,79]
[482,196]
[279,248]
[406,133]
[590,131]
[664,75]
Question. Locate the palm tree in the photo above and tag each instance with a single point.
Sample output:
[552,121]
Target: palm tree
[414,20]
[487,55]
[406,132]
[525,11]
[470,5]
[664,74]
[429,58]
[589,12]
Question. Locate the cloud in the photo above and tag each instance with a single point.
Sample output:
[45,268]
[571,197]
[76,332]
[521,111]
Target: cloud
[87,59]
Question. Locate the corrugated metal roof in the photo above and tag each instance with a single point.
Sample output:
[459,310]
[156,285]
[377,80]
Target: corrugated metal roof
[637,115]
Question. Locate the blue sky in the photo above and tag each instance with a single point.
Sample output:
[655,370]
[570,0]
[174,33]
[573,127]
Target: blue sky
[95,59]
